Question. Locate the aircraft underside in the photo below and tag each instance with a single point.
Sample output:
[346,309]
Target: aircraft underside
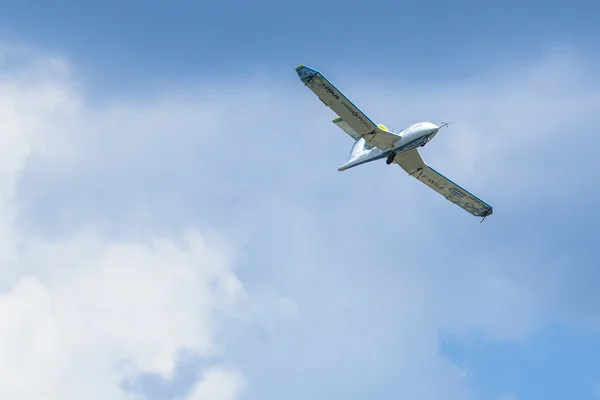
[374,142]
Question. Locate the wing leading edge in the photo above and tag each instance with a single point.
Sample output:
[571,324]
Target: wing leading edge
[412,163]
[352,116]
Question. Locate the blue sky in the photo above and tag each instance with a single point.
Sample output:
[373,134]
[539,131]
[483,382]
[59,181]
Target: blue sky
[124,44]
[172,202]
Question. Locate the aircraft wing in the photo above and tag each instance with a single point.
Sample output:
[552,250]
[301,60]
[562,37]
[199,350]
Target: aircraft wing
[412,163]
[346,110]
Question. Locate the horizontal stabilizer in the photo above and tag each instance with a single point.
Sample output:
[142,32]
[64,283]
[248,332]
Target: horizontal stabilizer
[348,129]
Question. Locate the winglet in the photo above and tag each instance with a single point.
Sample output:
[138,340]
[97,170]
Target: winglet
[305,73]
[487,213]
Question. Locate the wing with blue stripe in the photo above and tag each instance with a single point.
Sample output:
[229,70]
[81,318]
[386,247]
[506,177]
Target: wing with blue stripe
[345,109]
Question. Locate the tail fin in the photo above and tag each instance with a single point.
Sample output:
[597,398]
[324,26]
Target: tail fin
[358,151]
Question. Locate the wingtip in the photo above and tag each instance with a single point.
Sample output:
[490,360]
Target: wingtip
[305,73]
[488,212]
[305,68]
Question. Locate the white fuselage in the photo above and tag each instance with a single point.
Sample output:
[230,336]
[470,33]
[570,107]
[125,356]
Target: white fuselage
[412,137]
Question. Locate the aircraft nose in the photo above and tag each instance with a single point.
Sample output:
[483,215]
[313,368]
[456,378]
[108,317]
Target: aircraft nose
[434,128]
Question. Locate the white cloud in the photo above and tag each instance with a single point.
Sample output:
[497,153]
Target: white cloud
[82,313]
[101,311]
[104,310]
[219,383]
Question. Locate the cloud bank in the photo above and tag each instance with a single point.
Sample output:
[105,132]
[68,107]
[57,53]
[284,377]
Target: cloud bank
[213,219]
[81,312]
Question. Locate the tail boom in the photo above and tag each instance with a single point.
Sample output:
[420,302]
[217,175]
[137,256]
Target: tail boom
[359,155]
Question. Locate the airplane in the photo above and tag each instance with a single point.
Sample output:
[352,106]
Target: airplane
[375,142]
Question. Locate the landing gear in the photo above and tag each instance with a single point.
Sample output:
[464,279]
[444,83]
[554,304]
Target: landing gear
[390,158]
